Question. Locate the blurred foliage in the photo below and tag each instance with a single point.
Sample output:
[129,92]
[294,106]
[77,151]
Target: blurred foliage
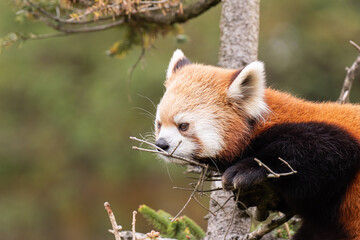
[66,119]
[74,16]
[143,36]
[181,228]
[305,45]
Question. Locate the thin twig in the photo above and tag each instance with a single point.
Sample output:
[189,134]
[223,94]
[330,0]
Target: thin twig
[223,205]
[116,228]
[133,225]
[273,174]
[206,180]
[168,155]
[352,73]
[191,196]
[95,28]
[276,222]
[148,143]
[287,164]
[176,148]
[357,47]
[193,169]
[216,202]
[246,208]
[47,35]
[204,192]
[202,205]
[191,189]
[287,228]
[202,180]
[132,68]
[162,152]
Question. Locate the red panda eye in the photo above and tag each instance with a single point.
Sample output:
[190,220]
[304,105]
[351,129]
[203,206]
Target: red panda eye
[183,126]
[158,125]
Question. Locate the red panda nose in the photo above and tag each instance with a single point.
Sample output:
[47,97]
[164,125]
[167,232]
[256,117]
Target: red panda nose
[162,143]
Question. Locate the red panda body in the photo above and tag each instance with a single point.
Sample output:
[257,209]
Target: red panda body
[288,109]
[229,116]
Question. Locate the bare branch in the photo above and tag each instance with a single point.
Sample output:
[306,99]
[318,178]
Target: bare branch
[148,143]
[95,28]
[357,47]
[117,10]
[207,179]
[201,205]
[191,189]
[185,205]
[202,180]
[162,152]
[47,35]
[202,175]
[116,228]
[288,165]
[193,169]
[287,228]
[141,56]
[157,16]
[175,148]
[128,235]
[276,222]
[133,225]
[188,13]
[273,174]
[220,206]
[352,73]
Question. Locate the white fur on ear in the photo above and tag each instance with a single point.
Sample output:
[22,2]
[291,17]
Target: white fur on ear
[177,56]
[247,90]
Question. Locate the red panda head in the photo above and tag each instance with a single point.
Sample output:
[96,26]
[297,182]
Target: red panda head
[208,109]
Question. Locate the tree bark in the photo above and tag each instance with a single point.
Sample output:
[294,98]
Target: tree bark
[239,27]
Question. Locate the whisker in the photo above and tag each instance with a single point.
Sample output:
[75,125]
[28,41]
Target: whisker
[168,172]
[147,99]
[148,115]
[217,169]
[216,166]
[146,111]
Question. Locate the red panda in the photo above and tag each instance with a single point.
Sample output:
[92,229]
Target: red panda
[229,117]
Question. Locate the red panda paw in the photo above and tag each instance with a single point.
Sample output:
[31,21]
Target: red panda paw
[242,175]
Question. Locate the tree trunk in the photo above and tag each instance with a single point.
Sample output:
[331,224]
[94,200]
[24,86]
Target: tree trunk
[239,27]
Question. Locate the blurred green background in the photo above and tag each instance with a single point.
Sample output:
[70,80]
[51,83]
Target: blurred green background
[65,117]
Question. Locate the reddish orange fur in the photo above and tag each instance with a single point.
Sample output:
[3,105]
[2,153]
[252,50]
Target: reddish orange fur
[207,86]
[286,108]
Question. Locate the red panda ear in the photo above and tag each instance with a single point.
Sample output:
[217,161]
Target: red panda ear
[247,90]
[178,60]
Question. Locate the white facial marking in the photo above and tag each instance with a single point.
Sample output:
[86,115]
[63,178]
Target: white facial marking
[157,116]
[202,126]
[172,136]
[210,137]
[206,130]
